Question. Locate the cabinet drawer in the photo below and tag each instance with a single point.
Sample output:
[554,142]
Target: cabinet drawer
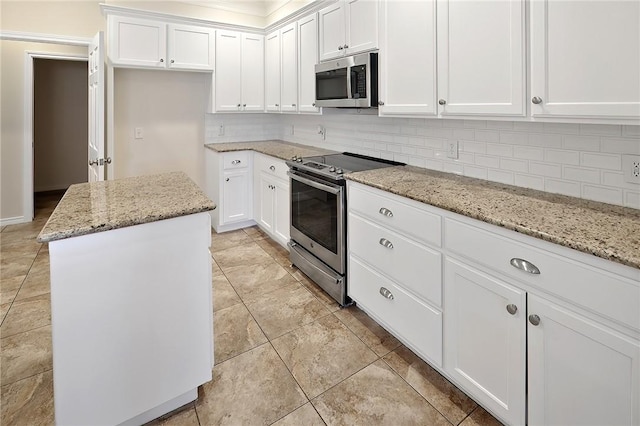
[236,160]
[414,266]
[392,210]
[417,323]
[595,289]
[272,166]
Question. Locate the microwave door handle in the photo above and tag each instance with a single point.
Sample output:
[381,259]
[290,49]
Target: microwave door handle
[349,91]
[317,185]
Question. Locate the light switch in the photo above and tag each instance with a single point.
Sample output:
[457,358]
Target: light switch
[139,133]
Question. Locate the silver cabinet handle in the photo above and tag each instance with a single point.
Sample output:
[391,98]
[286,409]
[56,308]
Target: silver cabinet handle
[534,319]
[386,243]
[93,162]
[272,168]
[227,180]
[236,162]
[536,100]
[512,309]
[172,61]
[442,102]
[346,46]
[386,212]
[525,265]
[161,60]
[340,47]
[386,293]
[380,103]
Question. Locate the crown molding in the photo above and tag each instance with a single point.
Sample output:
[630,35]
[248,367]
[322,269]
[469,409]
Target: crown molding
[43,38]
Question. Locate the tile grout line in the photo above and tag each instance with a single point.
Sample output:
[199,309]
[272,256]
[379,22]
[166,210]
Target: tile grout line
[27,377]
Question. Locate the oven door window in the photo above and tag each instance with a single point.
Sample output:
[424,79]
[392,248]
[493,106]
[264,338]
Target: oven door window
[332,84]
[314,212]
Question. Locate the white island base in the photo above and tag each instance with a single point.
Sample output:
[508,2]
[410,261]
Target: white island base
[132,321]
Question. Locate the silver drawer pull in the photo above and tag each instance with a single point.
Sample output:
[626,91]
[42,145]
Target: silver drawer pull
[386,212]
[525,265]
[272,168]
[386,243]
[236,162]
[386,293]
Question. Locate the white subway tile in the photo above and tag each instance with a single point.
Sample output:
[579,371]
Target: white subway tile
[632,199]
[424,131]
[469,146]
[545,169]
[545,140]
[433,122]
[451,167]
[621,146]
[386,155]
[411,150]
[465,157]
[487,161]
[528,181]
[409,130]
[442,133]
[475,124]
[424,152]
[527,126]
[417,141]
[581,175]
[434,143]
[500,176]
[394,148]
[433,164]
[562,187]
[581,143]
[381,146]
[475,172]
[602,193]
[468,134]
[401,158]
[514,165]
[601,161]
[453,123]
[500,150]
[502,125]
[613,179]
[400,140]
[528,152]
[559,156]
[562,128]
[417,161]
[600,129]
[514,138]
[631,131]
[487,135]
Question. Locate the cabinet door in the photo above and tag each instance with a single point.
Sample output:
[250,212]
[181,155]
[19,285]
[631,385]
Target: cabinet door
[191,47]
[584,58]
[266,199]
[408,58]
[252,72]
[332,31]
[362,25]
[579,371]
[281,213]
[228,66]
[484,343]
[236,205]
[137,42]
[307,60]
[481,57]
[289,51]
[272,71]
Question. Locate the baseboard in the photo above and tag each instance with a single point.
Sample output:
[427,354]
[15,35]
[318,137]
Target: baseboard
[234,226]
[13,220]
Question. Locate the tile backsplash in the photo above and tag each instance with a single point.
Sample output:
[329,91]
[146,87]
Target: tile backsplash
[581,160]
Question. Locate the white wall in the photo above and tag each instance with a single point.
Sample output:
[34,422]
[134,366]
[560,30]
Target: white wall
[574,159]
[169,106]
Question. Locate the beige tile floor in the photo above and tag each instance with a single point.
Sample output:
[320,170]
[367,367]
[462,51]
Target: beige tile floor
[285,353]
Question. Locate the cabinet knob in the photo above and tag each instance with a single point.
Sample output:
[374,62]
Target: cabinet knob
[536,100]
[346,46]
[386,293]
[272,168]
[293,105]
[244,105]
[236,162]
[524,265]
[239,105]
[534,320]
[277,105]
[380,103]
[512,309]
[442,102]
[313,104]
[161,60]
[386,243]
[226,180]
[172,61]
[385,211]
[340,47]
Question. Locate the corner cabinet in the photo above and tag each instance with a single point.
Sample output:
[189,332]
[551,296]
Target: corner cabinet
[229,184]
[584,59]
[239,81]
[348,27]
[272,197]
[146,43]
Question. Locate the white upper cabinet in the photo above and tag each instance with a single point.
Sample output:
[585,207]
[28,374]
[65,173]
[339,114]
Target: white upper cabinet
[272,71]
[307,60]
[408,58]
[348,27]
[481,57]
[239,81]
[146,43]
[289,66]
[584,59]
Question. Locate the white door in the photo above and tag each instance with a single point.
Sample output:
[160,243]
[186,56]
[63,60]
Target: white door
[584,58]
[289,85]
[228,63]
[481,57]
[272,71]
[307,60]
[580,372]
[252,72]
[236,198]
[190,47]
[408,58]
[485,339]
[361,26]
[96,140]
[332,31]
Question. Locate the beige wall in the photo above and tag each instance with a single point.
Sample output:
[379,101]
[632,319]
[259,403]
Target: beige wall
[169,106]
[59,124]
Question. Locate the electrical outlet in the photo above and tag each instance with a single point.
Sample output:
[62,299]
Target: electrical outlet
[452,149]
[221,130]
[139,133]
[291,129]
[322,131]
[631,168]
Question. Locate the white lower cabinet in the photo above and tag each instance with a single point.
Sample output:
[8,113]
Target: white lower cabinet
[271,197]
[485,335]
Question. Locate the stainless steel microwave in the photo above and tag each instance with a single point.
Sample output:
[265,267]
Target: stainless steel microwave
[350,82]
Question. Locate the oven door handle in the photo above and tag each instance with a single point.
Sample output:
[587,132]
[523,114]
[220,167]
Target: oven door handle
[323,187]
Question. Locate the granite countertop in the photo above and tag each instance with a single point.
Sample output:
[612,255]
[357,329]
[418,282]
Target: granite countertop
[275,148]
[88,208]
[604,230]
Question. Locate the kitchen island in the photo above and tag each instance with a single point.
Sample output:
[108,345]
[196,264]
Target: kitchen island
[130,298]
